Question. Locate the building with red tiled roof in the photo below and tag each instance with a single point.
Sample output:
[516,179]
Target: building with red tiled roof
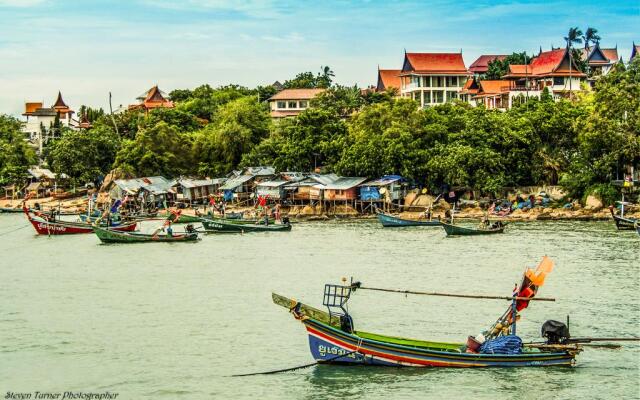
[291,102]
[432,78]
[481,65]
[152,98]
[599,60]
[40,120]
[469,90]
[553,70]
[387,79]
[493,94]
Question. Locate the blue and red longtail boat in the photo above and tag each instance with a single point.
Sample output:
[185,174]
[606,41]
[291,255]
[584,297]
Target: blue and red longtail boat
[333,339]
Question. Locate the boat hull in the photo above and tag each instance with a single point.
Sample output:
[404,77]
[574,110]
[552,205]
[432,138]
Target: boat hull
[624,224]
[327,344]
[44,227]
[228,227]
[111,236]
[389,221]
[455,230]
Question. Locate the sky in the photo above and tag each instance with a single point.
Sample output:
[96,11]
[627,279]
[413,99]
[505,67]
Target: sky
[88,48]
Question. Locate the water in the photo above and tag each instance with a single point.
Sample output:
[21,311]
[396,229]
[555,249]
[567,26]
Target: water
[174,321]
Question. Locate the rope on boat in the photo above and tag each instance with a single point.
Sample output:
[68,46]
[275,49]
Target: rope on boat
[277,371]
[13,230]
[465,296]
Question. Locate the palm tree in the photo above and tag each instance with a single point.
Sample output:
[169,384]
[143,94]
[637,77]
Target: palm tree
[572,38]
[590,36]
[325,76]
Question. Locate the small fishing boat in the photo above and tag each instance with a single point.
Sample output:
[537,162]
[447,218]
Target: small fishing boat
[44,226]
[622,223]
[222,226]
[113,236]
[333,339]
[10,210]
[457,230]
[389,221]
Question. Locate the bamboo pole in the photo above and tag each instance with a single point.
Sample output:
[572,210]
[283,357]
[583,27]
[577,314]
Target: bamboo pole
[464,296]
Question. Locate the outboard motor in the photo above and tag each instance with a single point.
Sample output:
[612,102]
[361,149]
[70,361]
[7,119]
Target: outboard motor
[555,332]
[346,323]
[285,220]
[190,229]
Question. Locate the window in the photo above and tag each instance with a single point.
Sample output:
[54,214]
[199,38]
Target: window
[426,81]
[427,97]
[452,81]
[282,104]
[461,81]
[293,104]
[303,104]
[451,95]
[437,81]
[415,80]
[558,80]
[438,96]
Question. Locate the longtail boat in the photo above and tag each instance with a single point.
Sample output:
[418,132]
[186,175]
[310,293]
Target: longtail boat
[10,210]
[333,339]
[113,236]
[182,218]
[622,223]
[220,226]
[457,230]
[57,227]
[389,221]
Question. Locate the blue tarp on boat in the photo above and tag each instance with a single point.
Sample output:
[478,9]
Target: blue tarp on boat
[510,344]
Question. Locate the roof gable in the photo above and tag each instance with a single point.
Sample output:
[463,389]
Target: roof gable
[493,86]
[388,78]
[554,62]
[297,94]
[444,63]
[481,64]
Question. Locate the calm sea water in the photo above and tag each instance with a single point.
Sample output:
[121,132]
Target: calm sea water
[174,321]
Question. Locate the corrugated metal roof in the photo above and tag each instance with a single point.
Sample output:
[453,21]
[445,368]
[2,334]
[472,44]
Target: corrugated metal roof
[345,182]
[233,183]
[259,171]
[153,184]
[193,183]
[384,181]
[272,184]
[38,173]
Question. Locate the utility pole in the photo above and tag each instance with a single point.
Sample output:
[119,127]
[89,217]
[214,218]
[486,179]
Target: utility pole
[112,118]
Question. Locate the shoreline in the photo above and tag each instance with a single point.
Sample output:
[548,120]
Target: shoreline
[308,213]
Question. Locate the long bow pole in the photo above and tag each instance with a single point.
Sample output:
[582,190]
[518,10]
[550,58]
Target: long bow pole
[464,296]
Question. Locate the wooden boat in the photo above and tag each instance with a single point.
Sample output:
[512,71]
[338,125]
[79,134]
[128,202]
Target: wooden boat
[220,226]
[183,218]
[457,230]
[239,221]
[333,339]
[389,221]
[46,227]
[10,210]
[113,236]
[622,223]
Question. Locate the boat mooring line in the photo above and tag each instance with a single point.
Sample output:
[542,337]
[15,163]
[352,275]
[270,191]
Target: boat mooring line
[13,230]
[277,371]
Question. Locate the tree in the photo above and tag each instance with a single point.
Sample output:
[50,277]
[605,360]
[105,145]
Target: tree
[497,68]
[15,154]
[157,150]
[307,80]
[84,155]
[240,125]
[325,77]
[573,37]
[590,36]
[341,99]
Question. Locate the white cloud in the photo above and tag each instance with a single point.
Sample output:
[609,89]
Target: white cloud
[20,3]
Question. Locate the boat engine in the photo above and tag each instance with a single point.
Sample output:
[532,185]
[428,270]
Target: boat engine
[555,332]
[346,323]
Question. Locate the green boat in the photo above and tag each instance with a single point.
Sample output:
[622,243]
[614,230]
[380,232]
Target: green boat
[238,221]
[183,218]
[222,226]
[111,236]
[457,230]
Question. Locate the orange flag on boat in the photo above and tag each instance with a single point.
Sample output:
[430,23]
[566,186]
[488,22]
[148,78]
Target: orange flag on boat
[537,277]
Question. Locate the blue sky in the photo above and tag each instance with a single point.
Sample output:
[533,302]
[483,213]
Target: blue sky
[88,48]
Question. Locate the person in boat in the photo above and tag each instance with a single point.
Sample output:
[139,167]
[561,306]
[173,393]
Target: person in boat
[485,223]
[169,230]
[427,213]
[266,216]
[190,229]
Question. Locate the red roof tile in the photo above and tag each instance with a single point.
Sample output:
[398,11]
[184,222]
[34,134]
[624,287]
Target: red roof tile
[388,78]
[493,87]
[432,63]
[29,108]
[481,65]
[296,94]
[547,63]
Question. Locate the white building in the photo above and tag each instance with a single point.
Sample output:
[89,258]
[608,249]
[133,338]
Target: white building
[40,121]
[432,78]
[291,102]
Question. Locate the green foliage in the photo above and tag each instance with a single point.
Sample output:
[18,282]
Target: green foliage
[84,155]
[342,100]
[307,80]
[205,101]
[497,68]
[15,154]
[157,150]
[240,125]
